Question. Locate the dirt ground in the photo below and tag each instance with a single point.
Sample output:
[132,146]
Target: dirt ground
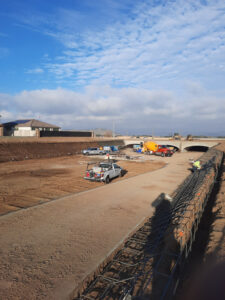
[32,182]
[47,250]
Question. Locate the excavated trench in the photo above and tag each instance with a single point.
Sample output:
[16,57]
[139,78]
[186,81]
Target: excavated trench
[209,246]
[149,264]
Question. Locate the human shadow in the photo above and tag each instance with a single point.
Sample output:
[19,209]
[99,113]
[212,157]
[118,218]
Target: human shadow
[167,250]
[162,248]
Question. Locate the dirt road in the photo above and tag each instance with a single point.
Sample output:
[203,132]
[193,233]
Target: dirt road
[47,250]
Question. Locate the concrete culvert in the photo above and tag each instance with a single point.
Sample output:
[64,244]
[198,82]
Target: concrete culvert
[176,148]
[197,148]
[130,146]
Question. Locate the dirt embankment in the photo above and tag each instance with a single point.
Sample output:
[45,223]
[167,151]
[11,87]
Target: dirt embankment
[21,149]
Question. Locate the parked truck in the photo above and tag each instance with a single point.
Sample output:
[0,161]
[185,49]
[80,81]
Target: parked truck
[93,151]
[103,171]
[153,148]
[163,150]
[110,149]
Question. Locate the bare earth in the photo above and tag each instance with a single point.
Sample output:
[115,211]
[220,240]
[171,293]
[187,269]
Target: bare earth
[32,182]
[48,249]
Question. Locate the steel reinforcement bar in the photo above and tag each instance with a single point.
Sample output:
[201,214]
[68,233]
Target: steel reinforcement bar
[148,263]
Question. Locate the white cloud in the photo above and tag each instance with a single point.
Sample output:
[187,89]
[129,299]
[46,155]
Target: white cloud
[35,71]
[180,39]
[149,46]
[156,66]
[135,110]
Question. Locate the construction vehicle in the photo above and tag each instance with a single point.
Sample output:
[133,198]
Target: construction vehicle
[163,150]
[149,147]
[189,137]
[177,136]
[153,148]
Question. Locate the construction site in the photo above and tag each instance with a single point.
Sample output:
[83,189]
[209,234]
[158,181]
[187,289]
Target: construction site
[146,235]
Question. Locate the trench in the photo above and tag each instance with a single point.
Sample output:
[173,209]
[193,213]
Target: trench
[199,256]
[149,264]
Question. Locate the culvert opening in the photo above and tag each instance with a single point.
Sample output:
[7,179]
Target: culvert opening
[197,148]
[131,146]
[174,147]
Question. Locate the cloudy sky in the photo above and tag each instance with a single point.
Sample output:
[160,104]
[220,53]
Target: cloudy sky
[146,65]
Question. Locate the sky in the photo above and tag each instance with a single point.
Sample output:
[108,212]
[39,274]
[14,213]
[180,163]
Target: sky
[143,67]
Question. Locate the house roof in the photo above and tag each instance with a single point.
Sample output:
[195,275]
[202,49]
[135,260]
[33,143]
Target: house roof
[30,123]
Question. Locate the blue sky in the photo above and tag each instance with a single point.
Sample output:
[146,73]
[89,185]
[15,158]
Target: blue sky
[144,65]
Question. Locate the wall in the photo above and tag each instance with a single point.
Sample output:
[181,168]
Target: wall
[24,131]
[66,133]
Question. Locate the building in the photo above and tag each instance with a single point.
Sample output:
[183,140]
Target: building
[27,127]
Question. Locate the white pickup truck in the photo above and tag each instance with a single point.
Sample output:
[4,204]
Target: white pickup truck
[103,171]
[93,151]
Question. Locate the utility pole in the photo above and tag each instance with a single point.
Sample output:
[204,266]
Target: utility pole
[1,128]
[113,129]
